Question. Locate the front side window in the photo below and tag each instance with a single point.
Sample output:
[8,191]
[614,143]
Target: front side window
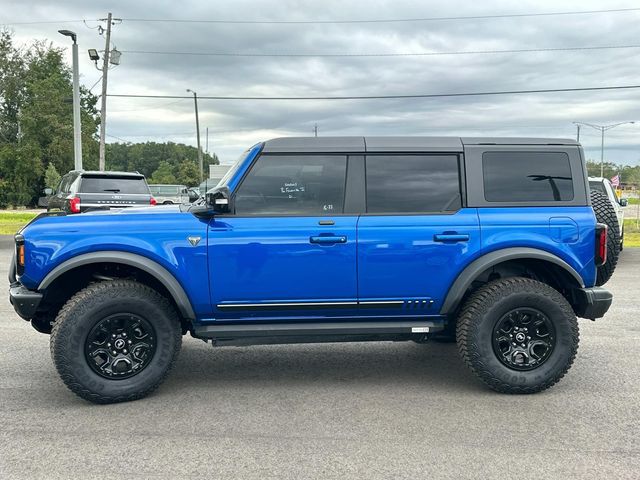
[293,184]
[412,183]
[527,177]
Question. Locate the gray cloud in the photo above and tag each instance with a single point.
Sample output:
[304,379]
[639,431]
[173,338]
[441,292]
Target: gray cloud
[235,125]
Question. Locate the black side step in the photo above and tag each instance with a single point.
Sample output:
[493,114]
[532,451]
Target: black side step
[317,329]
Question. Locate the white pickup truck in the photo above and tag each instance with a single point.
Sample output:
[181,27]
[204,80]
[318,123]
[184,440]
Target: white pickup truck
[603,185]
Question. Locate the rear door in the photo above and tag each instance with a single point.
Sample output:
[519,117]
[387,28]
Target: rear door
[289,250]
[415,236]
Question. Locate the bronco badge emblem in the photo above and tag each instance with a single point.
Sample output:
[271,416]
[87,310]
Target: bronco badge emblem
[194,240]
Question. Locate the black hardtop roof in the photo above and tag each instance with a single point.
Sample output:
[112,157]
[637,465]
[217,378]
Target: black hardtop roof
[397,144]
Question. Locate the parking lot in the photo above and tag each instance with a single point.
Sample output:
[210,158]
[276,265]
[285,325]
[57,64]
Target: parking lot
[370,410]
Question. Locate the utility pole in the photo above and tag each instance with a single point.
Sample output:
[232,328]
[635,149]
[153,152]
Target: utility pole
[206,148]
[103,107]
[578,133]
[195,101]
[315,130]
[77,130]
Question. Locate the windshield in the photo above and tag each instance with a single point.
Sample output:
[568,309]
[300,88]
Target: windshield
[597,186]
[232,171]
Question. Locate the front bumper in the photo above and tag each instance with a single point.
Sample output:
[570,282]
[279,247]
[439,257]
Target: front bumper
[25,302]
[592,302]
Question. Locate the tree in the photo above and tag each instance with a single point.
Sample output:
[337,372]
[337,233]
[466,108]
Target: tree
[163,174]
[188,173]
[146,157]
[36,120]
[22,170]
[51,176]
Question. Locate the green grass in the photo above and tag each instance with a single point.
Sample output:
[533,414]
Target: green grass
[631,233]
[633,200]
[11,222]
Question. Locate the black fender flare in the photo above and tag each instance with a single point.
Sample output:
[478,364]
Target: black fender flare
[479,265]
[145,264]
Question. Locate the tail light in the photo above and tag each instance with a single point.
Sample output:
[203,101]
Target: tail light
[19,254]
[74,204]
[601,243]
[153,201]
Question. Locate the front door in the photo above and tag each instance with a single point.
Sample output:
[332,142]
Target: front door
[415,238]
[288,250]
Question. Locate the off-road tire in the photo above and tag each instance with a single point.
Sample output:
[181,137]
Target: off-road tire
[86,309]
[481,313]
[605,213]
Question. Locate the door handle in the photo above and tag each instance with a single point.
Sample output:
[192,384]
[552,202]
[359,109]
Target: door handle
[328,239]
[451,237]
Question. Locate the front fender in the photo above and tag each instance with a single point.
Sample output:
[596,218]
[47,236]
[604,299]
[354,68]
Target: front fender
[143,263]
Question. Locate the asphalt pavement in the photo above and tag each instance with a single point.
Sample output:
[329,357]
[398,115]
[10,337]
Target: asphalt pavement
[361,411]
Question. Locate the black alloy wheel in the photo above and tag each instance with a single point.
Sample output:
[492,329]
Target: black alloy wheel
[523,339]
[120,346]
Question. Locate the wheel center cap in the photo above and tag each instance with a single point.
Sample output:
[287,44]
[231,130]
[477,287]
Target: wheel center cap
[119,343]
[520,337]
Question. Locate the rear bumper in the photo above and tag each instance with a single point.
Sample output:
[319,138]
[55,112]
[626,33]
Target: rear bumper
[592,302]
[25,302]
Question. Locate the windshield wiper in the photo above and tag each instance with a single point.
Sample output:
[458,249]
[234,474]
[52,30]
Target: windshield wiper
[114,190]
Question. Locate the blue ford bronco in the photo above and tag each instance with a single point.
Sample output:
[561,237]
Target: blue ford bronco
[494,243]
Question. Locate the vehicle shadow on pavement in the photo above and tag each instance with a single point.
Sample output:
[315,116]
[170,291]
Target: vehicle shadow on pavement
[431,365]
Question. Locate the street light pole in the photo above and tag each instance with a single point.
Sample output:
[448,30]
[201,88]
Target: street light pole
[602,152]
[602,129]
[103,106]
[195,101]
[77,126]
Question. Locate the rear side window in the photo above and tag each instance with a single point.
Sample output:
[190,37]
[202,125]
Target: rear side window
[113,184]
[412,183]
[527,177]
[293,184]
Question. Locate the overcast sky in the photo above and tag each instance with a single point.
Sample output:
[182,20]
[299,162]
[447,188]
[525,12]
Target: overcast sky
[236,125]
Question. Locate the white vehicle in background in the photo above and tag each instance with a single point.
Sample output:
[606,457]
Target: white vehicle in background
[170,194]
[603,185]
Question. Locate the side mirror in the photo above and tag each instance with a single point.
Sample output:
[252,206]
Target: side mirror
[48,191]
[624,202]
[219,200]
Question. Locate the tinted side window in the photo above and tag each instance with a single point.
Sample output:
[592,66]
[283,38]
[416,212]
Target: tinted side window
[527,176]
[63,183]
[294,184]
[412,183]
[113,184]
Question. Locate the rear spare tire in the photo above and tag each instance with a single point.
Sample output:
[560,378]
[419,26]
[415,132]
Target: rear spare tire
[606,214]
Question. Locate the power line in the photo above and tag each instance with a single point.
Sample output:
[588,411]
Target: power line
[399,54]
[306,22]
[42,22]
[395,20]
[386,97]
